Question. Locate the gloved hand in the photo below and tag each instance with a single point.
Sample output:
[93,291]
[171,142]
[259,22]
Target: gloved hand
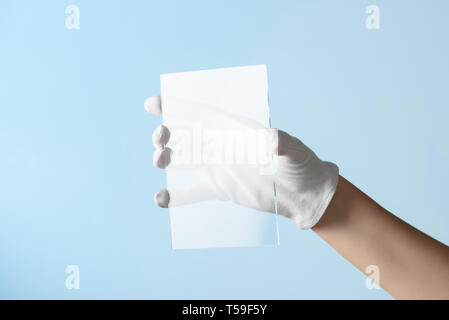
[304,184]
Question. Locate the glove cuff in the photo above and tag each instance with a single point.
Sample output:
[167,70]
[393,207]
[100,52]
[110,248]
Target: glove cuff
[320,198]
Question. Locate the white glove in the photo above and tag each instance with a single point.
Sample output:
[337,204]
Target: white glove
[304,184]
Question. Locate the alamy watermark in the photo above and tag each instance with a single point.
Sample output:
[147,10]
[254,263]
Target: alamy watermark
[72,282]
[196,145]
[372,282]
[72,21]
[372,22]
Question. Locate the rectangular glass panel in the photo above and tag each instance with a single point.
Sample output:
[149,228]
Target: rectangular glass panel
[217,121]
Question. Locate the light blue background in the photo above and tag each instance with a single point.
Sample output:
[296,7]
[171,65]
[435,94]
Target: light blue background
[76,175]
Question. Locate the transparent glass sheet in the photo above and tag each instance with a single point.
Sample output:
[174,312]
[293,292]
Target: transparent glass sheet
[220,177]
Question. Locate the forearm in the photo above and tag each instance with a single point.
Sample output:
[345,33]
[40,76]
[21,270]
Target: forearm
[412,265]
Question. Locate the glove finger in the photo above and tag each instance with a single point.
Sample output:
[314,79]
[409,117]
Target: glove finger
[283,142]
[162,157]
[290,149]
[176,197]
[161,135]
[153,105]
